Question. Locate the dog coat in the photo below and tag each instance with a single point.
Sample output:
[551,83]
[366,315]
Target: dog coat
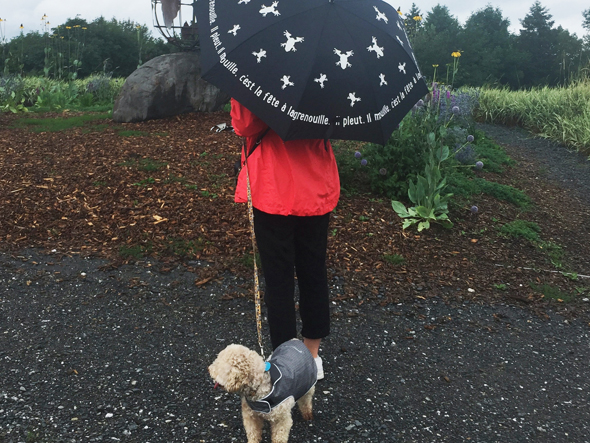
[293,373]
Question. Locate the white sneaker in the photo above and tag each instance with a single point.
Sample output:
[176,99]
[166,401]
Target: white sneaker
[318,363]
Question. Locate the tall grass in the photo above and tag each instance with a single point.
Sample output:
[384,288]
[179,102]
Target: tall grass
[560,114]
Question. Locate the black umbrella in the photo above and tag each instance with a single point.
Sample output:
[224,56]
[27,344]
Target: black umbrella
[340,69]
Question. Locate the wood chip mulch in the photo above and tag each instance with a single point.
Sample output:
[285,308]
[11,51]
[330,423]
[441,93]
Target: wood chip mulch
[168,194]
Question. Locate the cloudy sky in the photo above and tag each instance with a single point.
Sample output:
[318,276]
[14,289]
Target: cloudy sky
[567,13]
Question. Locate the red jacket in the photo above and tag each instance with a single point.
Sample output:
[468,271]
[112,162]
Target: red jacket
[298,177]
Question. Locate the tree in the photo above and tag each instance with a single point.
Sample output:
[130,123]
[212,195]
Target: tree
[489,55]
[77,49]
[539,41]
[413,22]
[435,42]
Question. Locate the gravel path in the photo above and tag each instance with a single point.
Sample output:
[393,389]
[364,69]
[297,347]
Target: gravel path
[568,168]
[91,354]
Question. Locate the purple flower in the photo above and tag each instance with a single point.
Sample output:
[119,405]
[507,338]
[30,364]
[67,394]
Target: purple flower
[456,110]
[448,95]
[363,162]
[470,138]
[478,165]
[382,171]
[474,209]
[357,154]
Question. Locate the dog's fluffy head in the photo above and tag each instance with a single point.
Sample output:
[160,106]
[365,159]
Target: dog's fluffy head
[236,367]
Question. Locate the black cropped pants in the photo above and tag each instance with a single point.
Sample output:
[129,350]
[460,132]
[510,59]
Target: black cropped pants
[289,245]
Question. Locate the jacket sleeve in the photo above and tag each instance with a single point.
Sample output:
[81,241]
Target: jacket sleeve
[245,123]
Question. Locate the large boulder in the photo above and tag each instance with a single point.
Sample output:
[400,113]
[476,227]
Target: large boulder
[165,86]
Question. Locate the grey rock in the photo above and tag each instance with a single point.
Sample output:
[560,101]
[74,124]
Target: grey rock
[165,86]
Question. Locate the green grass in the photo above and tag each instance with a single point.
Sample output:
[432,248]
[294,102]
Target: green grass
[248,261]
[145,182]
[131,133]
[394,259]
[58,124]
[185,248]
[560,114]
[462,185]
[135,251]
[491,154]
[553,292]
[522,229]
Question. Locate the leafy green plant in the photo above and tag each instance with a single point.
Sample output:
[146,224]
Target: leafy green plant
[427,193]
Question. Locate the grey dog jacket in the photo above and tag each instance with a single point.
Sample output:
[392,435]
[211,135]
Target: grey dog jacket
[293,373]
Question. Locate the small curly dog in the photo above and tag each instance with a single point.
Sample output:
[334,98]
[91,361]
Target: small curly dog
[269,390]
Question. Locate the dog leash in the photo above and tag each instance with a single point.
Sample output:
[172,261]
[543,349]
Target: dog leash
[257,297]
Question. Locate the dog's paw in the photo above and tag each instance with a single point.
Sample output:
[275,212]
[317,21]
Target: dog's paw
[307,416]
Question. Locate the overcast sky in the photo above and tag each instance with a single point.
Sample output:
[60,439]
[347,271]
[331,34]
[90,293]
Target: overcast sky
[567,13]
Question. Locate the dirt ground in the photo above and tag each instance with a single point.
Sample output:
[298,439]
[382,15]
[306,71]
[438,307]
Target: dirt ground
[167,193]
[125,267]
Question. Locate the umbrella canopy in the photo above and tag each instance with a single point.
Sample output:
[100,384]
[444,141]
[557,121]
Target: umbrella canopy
[340,69]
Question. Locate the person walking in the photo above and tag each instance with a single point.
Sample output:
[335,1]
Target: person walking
[294,187]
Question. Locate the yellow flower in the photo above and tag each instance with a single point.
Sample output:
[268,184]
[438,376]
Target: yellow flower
[456,54]
[68,27]
[417,18]
[435,66]
[84,28]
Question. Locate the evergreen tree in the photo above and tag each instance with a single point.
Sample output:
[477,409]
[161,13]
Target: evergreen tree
[413,22]
[489,55]
[539,41]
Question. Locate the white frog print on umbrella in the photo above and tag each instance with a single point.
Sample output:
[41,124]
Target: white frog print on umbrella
[289,45]
[381,16]
[382,80]
[343,62]
[321,80]
[243,2]
[234,30]
[402,67]
[259,55]
[353,98]
[286,79]
[272,9]
[376,48]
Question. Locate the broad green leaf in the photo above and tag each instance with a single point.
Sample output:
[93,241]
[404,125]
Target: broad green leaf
[399,208]
[423,225]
